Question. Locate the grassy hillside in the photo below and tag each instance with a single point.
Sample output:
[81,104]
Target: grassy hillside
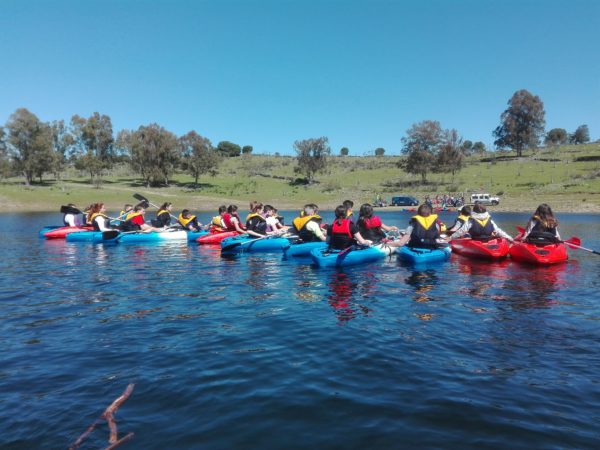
[567,177]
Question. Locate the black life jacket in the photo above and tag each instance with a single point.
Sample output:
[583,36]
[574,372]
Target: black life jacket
[128,225]
[542,235]
[341,236]
[370,228]
[257,223]
[95,223]
[299,225]
[481,230]
[424,231]
[163,218]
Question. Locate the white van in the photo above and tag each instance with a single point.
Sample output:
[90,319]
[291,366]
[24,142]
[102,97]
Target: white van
[485,199]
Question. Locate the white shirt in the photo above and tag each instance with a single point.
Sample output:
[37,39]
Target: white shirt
[71,220]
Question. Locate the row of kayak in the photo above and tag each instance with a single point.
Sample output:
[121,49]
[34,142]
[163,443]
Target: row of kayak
[231,242]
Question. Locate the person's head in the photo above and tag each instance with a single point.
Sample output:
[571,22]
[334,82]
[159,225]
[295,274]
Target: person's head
[269,210]
[185,213]
[139,209]
[258,207]
[309,209]
[544,214]
[232,209]
[252,205]
[100,207]
[424,210]
[340,212]
[479,208]
[166,206]
[222,210]
[348,204]
[127,207]
[465,211]
[366,210]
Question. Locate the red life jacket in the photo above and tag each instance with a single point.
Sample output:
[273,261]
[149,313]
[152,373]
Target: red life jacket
[341,228]
[372,222]
[227,221]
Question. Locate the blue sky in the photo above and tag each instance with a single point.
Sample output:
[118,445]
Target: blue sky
[267,73]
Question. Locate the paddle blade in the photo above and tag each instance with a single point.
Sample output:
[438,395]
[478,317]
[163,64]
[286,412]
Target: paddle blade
[141,198]
[574,240]
[110,235]
[69,210]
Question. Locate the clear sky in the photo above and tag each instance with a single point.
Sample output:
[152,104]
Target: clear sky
[268,72]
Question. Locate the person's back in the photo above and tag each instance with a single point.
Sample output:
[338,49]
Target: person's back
[542,227]
[424,228]
[163,216]
[369,225]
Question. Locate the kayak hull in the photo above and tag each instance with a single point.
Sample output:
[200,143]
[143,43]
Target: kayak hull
[303,249]
[62,232]
[84,236]
[215,238]
[424,255]
[323,257]
[245,243]
[492,249]
[140,238]
[539,255]
[195,235]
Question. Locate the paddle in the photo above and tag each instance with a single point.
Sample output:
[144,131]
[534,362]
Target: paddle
[70,210]
[145,200]
[573,242]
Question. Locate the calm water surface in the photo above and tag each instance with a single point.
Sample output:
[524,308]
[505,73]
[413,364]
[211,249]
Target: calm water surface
[260,352]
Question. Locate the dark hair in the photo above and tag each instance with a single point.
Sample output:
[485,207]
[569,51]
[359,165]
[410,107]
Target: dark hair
[252,205]
[544,214]
[127,206]
[366,210]
[232,209]
[465,210]
[138,208]
[340,212]
[222,209]
[257,206]
[268,208]
[185,212]
[479,208]
[424,210]
[165,205]
[348,204]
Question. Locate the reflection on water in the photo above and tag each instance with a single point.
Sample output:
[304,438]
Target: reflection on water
[423,281]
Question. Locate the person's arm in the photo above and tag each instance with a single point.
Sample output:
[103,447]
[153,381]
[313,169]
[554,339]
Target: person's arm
[361,240]
[236,224]
[528,230]
[464,229]
[314,228]
[101,222]
[499,232]
[70,219]
[387,228]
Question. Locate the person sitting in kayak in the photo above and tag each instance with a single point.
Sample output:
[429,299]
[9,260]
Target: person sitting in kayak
[371,227]
[463,216]
[348,204]
[423,231]
[163,216]
[542,228]
[71,219]
[343,232]
[217,224]
[134,221]
[273,224]
[480,226]
[232,220]
[256,224]
[308,224]
[127,208]
[189,221]
[100,221]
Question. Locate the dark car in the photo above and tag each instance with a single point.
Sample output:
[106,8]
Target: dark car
[404,201]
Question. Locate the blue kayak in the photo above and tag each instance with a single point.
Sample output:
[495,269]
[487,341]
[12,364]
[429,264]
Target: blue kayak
[424,255]
[193,235]
[323,257]
[303,249]
[84,236]
[139,237]
[246,243]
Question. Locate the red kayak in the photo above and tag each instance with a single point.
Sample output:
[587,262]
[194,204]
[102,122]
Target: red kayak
[61,232]
[538,254]
[215,238]
[491,249]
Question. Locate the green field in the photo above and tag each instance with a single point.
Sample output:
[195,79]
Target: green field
[567,177]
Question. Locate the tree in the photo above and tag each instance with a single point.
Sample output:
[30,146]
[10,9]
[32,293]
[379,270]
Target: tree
[421,145]
[228,149]
[344,151]
[379,151]
[467,147]
[198,155]
[62,141]
[153,152]
[451,157]
[31,143]
[479,147]
[95,141]
[312,156]
[247,149]
[556,136]
[4,158]
[522,123]
[581,135]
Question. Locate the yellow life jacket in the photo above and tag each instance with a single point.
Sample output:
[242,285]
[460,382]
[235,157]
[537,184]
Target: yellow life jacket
[162,211]
[463,218]
[349,213]
[251,215]
[183,221]
[426,222]
[483,223]
[300,222]
[131,215]
[94,215]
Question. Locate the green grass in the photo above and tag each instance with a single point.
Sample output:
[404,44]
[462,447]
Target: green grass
[552,175]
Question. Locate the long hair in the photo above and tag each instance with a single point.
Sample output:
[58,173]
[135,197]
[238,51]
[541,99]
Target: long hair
[544,214]
[164,206]
[366,211]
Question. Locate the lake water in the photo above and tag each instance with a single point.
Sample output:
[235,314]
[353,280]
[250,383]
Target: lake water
[262,353]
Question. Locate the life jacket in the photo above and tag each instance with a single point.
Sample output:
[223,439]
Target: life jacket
[299,224]
[163,218]
[459,222]
[541,234]
[128,225]
[184,222]
[481,229]
[341,236]
[216,225]
[257,223]
[425,231]
[370,228]
[95,224]
[228,223]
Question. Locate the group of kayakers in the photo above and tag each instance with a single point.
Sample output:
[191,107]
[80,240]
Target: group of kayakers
[425,230]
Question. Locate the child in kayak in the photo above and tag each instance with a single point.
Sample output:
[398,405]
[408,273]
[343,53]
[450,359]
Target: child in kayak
[217,224]
[71,219]
[463,216]
[134,221]
[188,221]
[480,226]
[163,216]
[542,228]
[232,220]
[100,221]
[273,224]
[308,224]
[344,233]
[348,204]
[371,227]
[256,224]
[423,230]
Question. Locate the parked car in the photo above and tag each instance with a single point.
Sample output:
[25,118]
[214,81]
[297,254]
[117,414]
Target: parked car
[404,201]
[486,199]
